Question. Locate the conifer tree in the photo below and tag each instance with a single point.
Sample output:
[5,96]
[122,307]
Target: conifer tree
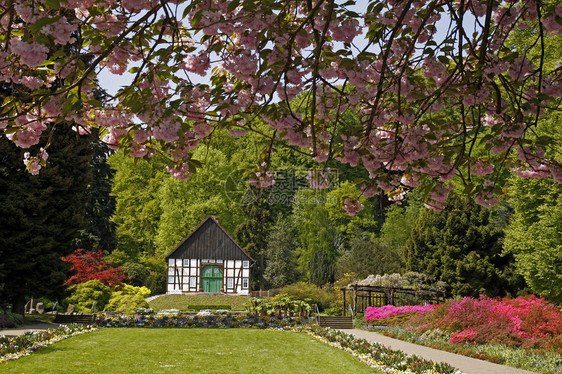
[462,246]
[41,215]
[280,255]
[99,233]
[252,234]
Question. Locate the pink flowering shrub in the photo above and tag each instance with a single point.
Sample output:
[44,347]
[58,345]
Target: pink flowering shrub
[372,313]
[464,336]
[526,321]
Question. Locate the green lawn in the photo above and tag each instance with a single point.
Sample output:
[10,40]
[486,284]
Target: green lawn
[182,302]
[188,351]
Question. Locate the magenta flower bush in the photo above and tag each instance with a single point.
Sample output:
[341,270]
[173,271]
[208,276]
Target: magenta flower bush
[529,321]
[373,313]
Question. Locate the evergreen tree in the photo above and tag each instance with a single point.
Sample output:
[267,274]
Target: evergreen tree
[100,204]
[41,215]
[280,256]
[321,267]
[462,247]
[252,234]
[369,255]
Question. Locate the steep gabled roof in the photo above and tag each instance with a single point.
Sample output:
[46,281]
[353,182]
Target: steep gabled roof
[184,245]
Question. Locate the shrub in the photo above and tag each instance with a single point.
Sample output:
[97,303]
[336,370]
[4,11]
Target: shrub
[527,321]
[16,318]
[310,293]
[85,294]
[6,322]
[128,299]
[372,313]
[280,305]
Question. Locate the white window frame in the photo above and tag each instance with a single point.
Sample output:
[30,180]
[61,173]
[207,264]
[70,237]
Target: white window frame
[245,264]
[185,263]
[245,283]
[230,283]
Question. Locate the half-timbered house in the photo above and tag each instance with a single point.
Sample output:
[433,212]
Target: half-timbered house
[209,260]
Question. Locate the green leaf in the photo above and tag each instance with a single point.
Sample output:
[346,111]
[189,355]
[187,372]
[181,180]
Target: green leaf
[53,4]
[38,25]
[232,5]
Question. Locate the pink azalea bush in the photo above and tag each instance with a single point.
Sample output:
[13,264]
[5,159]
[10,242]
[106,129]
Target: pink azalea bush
[373,313]
[528,321]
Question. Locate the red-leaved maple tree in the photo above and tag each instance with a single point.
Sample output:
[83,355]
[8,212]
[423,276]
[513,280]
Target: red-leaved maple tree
[88,265]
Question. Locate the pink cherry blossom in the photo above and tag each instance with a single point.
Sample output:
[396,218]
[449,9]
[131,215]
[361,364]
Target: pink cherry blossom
[31,54]
[352,207]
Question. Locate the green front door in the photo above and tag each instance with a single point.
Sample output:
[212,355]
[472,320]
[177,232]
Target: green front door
[212,279]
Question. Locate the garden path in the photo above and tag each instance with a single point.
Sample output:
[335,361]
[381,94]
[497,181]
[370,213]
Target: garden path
[467,365]
[30,327]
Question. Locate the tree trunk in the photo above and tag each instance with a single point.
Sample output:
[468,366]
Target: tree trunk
[18,305]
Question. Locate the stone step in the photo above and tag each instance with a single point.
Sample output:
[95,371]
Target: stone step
[336,322]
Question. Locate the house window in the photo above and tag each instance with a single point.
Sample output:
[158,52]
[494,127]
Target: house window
[171,262]
[186,263]
[192,282]
[171,280]
[245,283]
[219,261]
[229,282]
[246,264]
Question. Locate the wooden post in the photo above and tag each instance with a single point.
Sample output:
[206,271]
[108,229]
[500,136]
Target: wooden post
[344,310]
[354,299]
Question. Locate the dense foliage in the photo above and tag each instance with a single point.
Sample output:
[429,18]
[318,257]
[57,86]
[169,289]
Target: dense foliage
[41,216]
[534,236]
[409,90]
[87,266]
[528,321]
[462,246]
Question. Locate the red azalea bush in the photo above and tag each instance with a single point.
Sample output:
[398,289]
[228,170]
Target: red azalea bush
[527,321]
[372,313]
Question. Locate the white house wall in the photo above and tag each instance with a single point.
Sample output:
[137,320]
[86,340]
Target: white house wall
[185,275]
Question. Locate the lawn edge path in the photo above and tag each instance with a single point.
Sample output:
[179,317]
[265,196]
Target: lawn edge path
[467,365]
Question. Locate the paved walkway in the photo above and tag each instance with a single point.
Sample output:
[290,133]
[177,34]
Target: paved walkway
[467,365]
[31,327]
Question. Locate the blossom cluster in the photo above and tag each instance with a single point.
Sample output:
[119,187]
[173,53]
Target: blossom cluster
[528,321]
[209,321]
[377,356]
[373,313]
[416,104]
[12,348]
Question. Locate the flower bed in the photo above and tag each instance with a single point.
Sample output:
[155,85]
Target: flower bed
[14,347]
[373,313]
[378,356]
[529,321]
[212,321]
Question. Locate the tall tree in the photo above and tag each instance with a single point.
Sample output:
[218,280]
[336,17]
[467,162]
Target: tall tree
[136,186]
[280,255]
[100,204]
[252,234]
[462,246]
[369,255]
[534,235]
[41,215]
